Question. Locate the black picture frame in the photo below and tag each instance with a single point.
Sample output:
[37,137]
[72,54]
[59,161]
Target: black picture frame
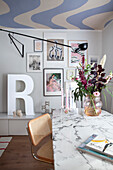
[53,81]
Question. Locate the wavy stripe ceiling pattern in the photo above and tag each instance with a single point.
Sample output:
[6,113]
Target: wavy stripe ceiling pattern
[44,6]
[56,14]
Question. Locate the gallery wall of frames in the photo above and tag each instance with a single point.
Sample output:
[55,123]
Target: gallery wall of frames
[51,66]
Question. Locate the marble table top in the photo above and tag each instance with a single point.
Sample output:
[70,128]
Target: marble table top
[73,128]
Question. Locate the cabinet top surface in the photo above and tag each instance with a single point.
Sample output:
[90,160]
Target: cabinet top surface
[5,116]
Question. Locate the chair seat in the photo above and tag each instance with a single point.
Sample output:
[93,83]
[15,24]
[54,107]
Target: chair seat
[45,152]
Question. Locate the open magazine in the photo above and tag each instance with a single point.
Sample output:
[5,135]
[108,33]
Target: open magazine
[103,149]
[102,145]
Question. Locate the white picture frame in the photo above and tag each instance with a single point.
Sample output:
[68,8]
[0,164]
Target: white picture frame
[34,62]
[70,73]
[94,59]
[54,59]
[38,46]
[75,58]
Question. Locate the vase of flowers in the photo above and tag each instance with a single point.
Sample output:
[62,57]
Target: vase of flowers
[91,80]
[93,104]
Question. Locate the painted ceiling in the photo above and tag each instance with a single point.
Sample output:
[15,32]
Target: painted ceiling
[56,14]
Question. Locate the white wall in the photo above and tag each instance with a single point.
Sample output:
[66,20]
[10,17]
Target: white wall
[107,48]
[12,63]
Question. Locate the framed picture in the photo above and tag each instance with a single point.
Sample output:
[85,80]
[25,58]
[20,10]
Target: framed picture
[76,58]
[70,73]
[38,47]
[53,81]
[94,59]
[34,62]
[55,55]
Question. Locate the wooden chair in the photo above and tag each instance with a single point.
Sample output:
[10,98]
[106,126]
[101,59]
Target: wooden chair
[40,133]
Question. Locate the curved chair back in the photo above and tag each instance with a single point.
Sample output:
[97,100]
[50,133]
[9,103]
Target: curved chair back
[39,128]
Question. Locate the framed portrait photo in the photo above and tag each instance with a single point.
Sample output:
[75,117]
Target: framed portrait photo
[94,59]
[38,46]
[55,55]
[76,58]
[53,81]
[34,62]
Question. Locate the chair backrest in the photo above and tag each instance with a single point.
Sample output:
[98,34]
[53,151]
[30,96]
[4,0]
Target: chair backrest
[39,128]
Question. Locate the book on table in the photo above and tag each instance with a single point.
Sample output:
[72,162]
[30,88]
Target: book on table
[99,146]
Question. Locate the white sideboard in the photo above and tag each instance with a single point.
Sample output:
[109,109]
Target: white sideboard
[10,125]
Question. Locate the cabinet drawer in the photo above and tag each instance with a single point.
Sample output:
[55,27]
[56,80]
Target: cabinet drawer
[18,127]
[3,127]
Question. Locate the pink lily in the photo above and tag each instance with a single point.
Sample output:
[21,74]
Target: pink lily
[96,93]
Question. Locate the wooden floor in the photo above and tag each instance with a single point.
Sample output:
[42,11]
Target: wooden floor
[18,156]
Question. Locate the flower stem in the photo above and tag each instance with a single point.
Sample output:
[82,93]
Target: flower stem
[91,97]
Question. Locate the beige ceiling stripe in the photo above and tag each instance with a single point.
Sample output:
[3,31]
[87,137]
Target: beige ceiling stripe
[98,21]
[61,18]
[25,18]
[4,8]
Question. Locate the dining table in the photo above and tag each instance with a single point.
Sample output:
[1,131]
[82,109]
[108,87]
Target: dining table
[71,129]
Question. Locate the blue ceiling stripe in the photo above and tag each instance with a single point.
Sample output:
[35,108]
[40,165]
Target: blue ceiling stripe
[107,23]
[45,17]
[81,16]
[17,7]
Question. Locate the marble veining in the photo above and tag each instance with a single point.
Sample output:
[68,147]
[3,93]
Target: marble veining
[70,130]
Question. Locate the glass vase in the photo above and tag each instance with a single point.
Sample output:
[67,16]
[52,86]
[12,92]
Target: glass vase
[92,105]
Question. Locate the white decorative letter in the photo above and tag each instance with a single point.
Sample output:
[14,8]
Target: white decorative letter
[13,95]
